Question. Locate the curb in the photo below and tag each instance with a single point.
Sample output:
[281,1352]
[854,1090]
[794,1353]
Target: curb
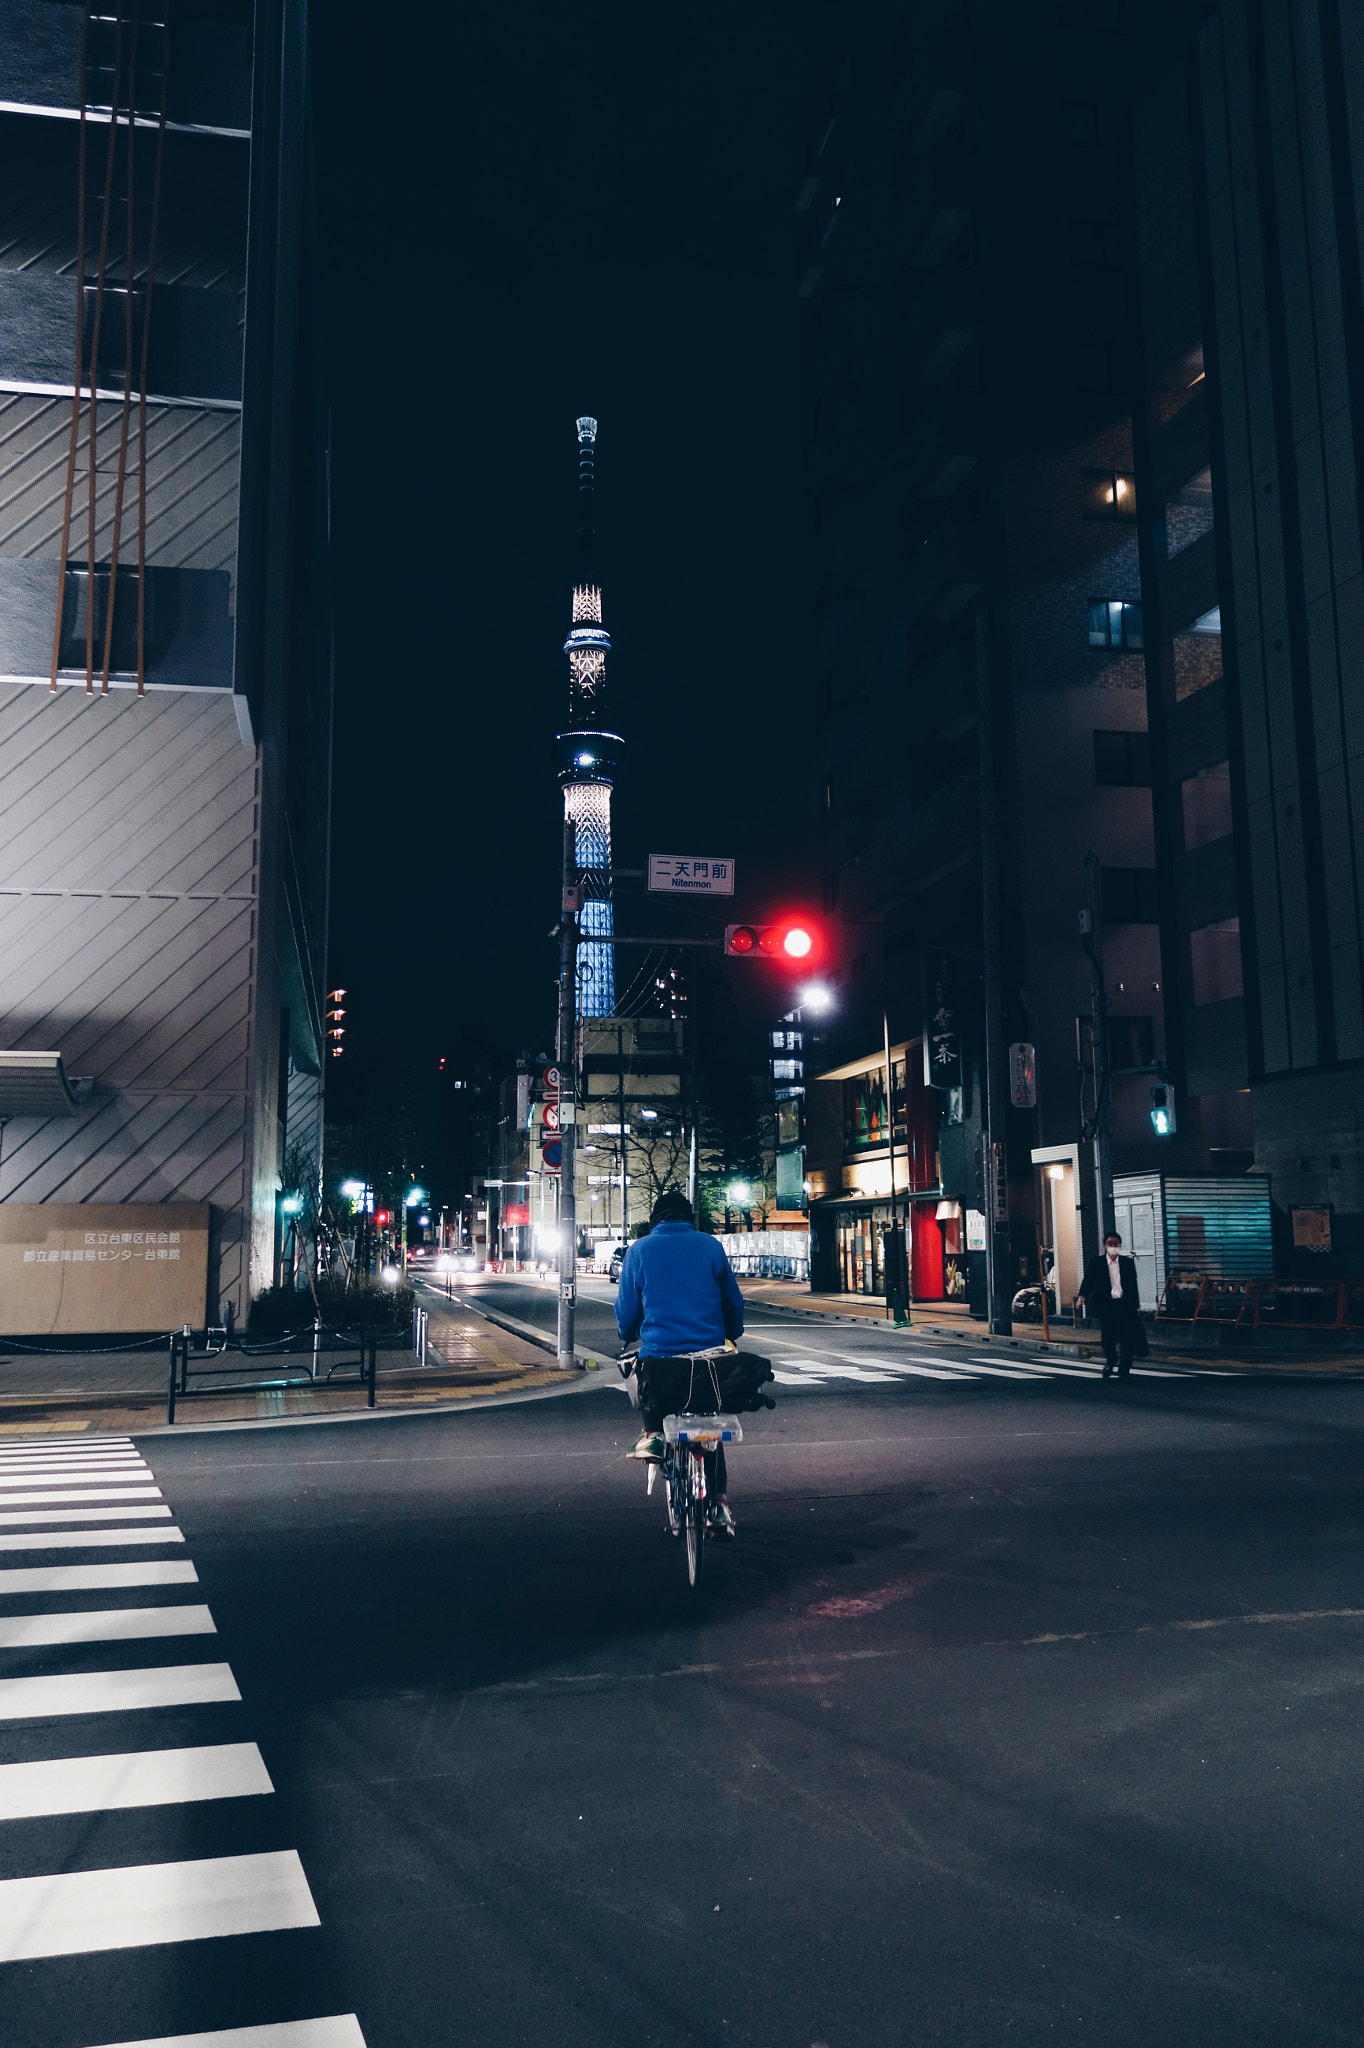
[525,1331]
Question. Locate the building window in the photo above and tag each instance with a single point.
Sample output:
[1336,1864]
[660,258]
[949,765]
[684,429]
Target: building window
[1122,760]
[788,1070]
[1102,369]
[1131,1043]
[1206,801]
[1215,962]
[1114,623]
[1129,895]
[788,1041]
[1110,494]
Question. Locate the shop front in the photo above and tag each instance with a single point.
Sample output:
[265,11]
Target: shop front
[851,1212]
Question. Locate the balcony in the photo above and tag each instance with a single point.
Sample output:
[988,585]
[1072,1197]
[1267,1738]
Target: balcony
[210,68]
[196,338]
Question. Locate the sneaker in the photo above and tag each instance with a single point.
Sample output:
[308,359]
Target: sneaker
[650,1447]
[719,1521]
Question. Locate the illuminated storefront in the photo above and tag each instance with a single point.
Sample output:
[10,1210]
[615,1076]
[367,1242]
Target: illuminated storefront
[850,1208]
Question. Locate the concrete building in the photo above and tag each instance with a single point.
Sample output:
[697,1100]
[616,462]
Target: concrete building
[1249,466]
[979,690]
[165,643]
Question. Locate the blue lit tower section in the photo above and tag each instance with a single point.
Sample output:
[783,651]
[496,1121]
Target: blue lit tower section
[589,751]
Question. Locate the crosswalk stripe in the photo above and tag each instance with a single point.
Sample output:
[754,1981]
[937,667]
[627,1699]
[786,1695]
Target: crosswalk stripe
[149,1777]
[123,1475]
[31,1469]
[116,1692]
[341,2032]
[78,1912]
[98,1578]
[22,1449]
[9,1519]
[88,1539]
[103,1625]
[44,1454]
[49,1499]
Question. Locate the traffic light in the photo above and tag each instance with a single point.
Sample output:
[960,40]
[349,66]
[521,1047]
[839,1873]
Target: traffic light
[793,941]
[383,1217]
[1163,1110]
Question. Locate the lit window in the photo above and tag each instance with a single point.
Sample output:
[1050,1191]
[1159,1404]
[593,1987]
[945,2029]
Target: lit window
[1114,623]
[1110,494]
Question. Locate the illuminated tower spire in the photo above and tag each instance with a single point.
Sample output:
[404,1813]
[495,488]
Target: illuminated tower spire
[588,751]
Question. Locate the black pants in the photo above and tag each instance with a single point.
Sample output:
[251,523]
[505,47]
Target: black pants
[674,1386]
[1117,1333]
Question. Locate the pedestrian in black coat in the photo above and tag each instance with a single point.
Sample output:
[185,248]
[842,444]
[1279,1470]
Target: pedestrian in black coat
[1109,1291]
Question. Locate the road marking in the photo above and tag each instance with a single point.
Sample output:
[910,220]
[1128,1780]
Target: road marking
[96,1578]
[124,1475]
[33,1500]
[116,1692]
[341,2032]
[151,1777]
[88,1539]
[10,1457]
[7,1520]
[30,1472]
[77,1912]
[67,1443]
[103,1625]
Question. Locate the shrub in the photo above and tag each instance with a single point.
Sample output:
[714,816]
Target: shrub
[282,1310]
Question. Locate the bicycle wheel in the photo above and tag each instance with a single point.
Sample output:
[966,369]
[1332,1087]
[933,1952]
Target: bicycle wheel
[696,1538]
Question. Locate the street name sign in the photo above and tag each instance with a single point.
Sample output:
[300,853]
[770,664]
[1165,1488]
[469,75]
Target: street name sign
[674,874]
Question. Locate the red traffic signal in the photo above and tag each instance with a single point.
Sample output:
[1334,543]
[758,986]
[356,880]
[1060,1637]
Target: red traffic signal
[793,941]
[383,1217]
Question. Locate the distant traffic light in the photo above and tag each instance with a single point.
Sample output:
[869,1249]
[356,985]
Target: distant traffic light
[1163,1110]
[383,1217]
[793,941]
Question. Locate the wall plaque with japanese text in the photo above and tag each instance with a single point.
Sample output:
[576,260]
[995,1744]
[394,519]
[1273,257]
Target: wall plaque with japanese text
[75,1269]
[688,874]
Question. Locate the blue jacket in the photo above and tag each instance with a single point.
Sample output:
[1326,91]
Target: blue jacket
[677,1293]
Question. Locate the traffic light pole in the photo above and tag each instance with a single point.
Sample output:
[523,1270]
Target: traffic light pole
[566,1054]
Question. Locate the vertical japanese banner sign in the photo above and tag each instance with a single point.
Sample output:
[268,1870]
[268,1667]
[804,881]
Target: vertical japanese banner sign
[942,1039]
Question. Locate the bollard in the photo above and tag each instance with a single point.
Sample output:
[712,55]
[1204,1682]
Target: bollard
[373,1365]
[170,1389]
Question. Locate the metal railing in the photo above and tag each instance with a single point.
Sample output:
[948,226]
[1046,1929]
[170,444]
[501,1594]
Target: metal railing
[420,1319]
[1262,1304]
[187,1364]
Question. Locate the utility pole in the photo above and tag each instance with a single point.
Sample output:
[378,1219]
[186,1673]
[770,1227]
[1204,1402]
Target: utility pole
[996,1079]
[566,1054]
[898,1283]
[1092,939]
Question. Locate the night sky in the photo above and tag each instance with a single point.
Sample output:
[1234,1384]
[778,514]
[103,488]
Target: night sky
[532,213]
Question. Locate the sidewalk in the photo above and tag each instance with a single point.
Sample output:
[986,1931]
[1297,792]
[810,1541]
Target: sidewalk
[1171,1343]
[124,1391]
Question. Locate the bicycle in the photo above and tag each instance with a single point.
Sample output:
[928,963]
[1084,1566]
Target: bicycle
[689,1438]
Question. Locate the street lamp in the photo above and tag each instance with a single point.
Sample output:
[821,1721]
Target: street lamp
[816,997]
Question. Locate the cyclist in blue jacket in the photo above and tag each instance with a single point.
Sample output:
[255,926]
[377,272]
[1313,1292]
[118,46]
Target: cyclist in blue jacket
[678,1295]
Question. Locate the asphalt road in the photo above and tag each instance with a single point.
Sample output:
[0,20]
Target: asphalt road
[1021,1710]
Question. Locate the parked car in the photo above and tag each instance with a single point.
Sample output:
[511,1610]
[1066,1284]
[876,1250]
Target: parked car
[617,1261]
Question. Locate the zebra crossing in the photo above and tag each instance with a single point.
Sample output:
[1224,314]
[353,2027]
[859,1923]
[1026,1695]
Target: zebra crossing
[91,1648]
[797,1364]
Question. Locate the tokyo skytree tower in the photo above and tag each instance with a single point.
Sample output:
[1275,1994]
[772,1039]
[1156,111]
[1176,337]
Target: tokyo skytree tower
[589,750]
